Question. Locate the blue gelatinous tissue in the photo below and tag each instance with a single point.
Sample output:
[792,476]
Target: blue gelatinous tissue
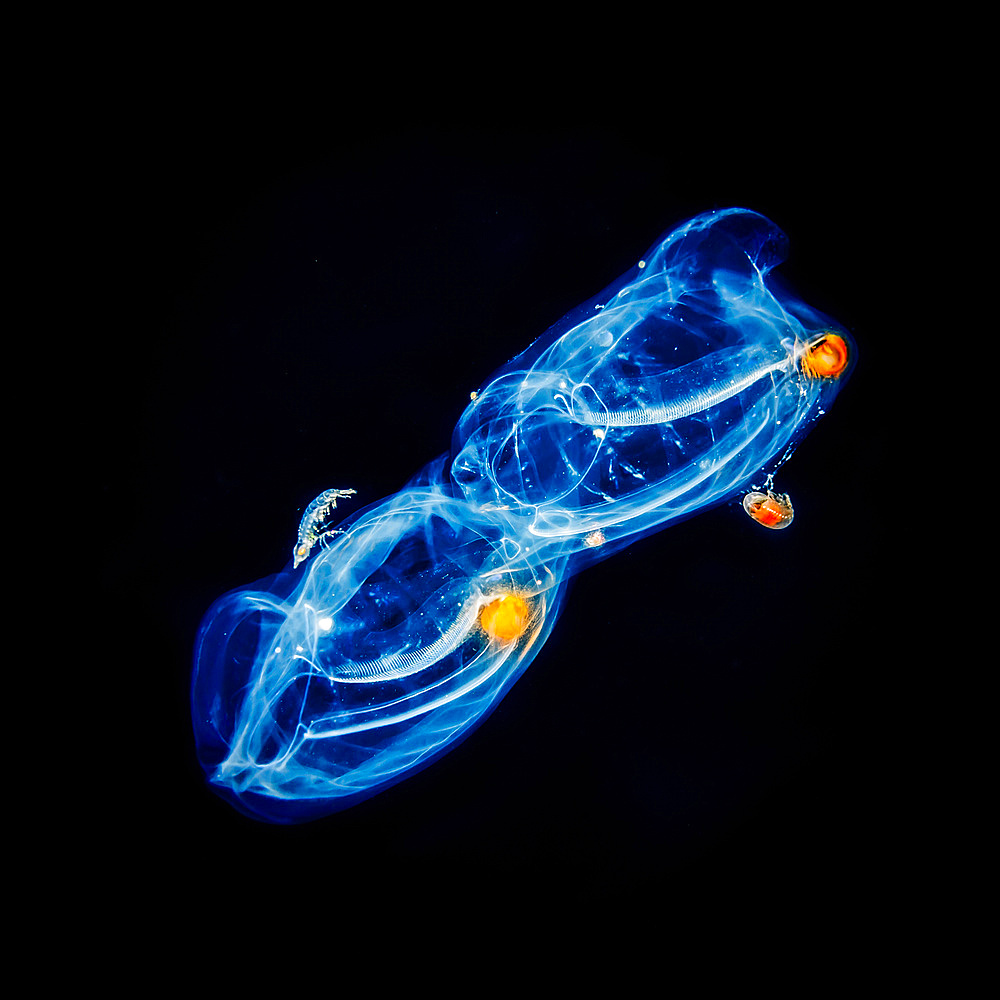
[682,385]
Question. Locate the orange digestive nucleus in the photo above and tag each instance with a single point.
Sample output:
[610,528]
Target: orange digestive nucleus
[505,618]
[826,356]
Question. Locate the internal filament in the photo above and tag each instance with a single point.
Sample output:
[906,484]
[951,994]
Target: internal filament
[686,391]
[402,664]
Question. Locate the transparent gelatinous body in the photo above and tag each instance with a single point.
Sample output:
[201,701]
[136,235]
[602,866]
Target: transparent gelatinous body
[680,386]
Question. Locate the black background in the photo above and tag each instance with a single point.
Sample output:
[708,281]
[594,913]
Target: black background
[707,721]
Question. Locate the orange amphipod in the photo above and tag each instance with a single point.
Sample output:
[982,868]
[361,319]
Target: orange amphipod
[773,510]
[505,618]
[826,356]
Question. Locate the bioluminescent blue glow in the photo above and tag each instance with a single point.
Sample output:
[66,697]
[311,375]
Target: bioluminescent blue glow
[684,384]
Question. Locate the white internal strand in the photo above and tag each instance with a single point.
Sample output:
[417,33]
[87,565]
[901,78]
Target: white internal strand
[398,665]
[696,400]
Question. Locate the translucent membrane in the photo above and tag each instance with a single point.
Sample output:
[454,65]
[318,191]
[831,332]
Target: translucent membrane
[680,386]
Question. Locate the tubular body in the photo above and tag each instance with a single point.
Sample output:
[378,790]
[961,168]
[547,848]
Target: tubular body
[676,388]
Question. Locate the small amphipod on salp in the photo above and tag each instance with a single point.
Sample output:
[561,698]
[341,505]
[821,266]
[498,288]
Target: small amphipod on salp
[773,510]
[312,520]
